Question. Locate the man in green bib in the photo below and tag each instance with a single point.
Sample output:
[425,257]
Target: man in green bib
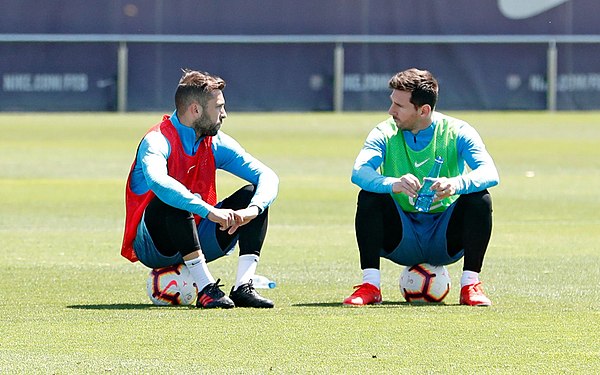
[390,169]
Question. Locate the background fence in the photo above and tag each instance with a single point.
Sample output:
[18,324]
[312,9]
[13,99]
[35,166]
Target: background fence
[335,80]
[127,55]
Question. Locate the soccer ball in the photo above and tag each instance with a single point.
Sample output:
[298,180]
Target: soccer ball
[424,283]
[172,285]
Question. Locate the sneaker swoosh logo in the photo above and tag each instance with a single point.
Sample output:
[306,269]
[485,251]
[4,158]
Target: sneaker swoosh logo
[519,9]
[417,165]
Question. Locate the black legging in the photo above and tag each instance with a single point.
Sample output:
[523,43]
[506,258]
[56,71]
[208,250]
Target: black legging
[378,226]
[174,231]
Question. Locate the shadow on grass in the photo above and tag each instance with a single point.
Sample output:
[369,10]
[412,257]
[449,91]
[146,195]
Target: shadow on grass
[124,306]
[141,306]
[383,304]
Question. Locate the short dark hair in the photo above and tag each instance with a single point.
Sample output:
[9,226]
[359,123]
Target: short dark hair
[421,84]
[196,86]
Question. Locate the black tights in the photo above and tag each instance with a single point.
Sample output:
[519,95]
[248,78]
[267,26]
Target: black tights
[378,226]
[174,231]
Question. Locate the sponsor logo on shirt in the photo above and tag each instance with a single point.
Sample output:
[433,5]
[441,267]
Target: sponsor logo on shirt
[417,165]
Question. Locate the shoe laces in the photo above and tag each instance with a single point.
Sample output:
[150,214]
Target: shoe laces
[247,288]
[477,287]
[361,289]
[213,289]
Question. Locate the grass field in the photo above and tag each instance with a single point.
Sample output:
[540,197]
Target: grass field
[71,305]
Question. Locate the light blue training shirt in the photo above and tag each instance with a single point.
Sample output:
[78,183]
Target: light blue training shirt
[150,170]
[471,151]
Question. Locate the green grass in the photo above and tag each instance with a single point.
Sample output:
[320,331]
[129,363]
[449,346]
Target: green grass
[71,305]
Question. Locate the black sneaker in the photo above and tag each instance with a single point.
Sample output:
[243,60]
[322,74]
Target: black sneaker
[246,296]
[213,297]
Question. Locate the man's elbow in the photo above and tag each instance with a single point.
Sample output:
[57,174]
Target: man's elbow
[273,180]
[496,179]
[354,178]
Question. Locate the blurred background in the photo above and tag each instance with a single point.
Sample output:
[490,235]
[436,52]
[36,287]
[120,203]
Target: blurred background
[313,55]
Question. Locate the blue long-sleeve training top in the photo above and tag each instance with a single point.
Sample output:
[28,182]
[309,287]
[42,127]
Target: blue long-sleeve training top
[471,151]
[150,170]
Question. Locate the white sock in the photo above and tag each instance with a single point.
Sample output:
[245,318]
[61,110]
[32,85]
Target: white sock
[469,278]
[246,269]
[200,272]
[372,276]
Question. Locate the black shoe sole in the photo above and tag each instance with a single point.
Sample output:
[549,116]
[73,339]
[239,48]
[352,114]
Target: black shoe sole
[258,304]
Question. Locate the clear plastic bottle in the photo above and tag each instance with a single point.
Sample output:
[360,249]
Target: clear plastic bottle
[425,197]
[263,282]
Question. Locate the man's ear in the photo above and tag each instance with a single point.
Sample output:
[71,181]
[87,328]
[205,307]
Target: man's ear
[196,109]
[425,110]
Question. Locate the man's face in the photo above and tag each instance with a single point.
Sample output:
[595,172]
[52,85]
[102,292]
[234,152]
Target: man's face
[213,114]
[403,111]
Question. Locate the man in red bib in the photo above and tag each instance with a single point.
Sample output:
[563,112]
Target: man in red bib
[172,212]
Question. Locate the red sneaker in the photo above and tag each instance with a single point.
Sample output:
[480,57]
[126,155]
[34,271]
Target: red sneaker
[473,295]
[365,294]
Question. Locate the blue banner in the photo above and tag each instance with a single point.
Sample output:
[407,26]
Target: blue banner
[58,77]
[297,77]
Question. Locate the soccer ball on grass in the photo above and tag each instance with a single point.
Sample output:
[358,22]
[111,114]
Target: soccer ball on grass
[172,285]
[424,283]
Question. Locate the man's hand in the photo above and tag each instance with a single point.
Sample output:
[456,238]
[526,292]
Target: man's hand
[243,217]
[231,220]
[444,187]
[224,217]
[407,184]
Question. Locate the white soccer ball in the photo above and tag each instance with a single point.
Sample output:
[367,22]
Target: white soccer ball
[424,283]
[172,285]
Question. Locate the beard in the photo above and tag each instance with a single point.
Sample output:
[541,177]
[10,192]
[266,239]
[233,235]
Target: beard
[205,126]
[406,125]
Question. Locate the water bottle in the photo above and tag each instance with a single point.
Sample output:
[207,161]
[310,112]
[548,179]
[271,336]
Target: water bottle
[263,282]
[425,196]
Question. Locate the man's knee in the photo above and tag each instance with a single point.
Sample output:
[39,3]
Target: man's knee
[370,200]
[240,199]
[247,195]
[248,191]
[159,209]
[481,200]
[479,197]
